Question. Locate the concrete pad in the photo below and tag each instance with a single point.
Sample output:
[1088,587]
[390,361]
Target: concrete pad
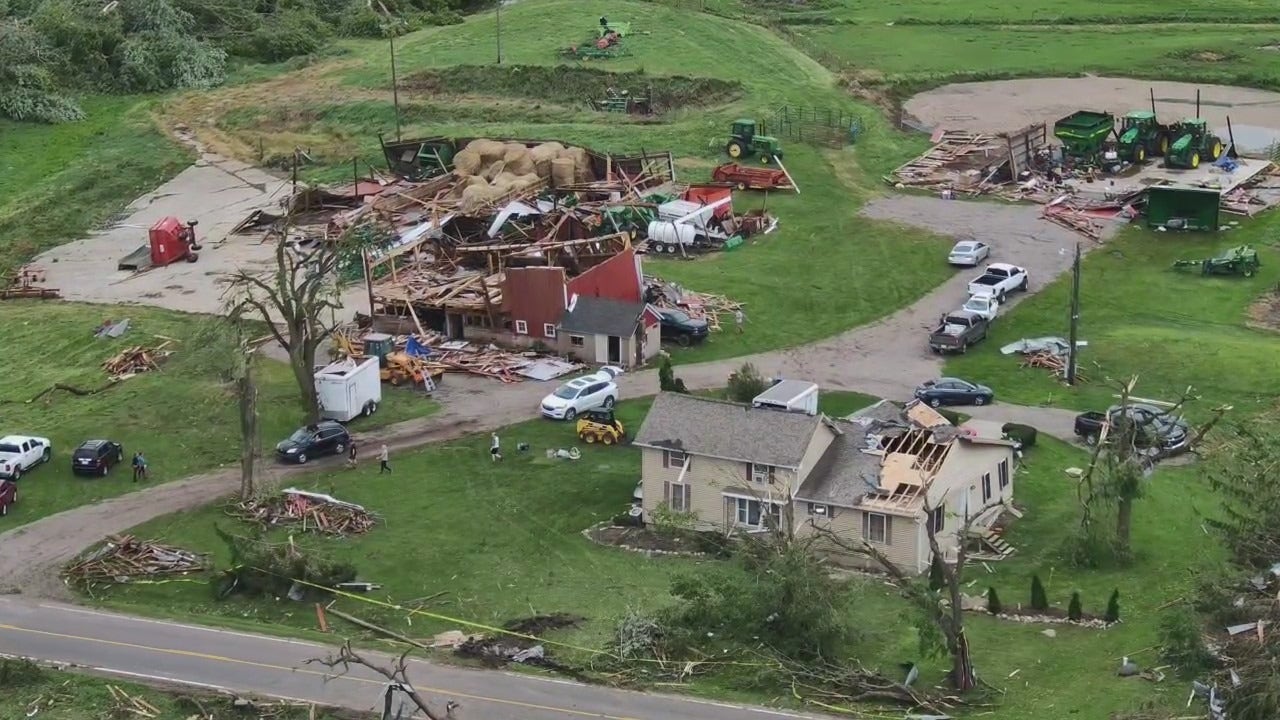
[1251,140]
[1205,176]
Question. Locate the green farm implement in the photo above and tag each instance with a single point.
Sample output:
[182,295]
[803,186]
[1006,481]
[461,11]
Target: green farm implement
[744,142]
[606,44]
[1084,135]
[1141,135]
[1242,261]
[622,101]
[1192,142]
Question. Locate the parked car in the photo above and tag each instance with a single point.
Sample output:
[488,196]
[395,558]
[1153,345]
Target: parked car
[999,280]
[954,391]
[96,457]
[1157,429]
[984,306]
[327,437]
[597,390]
[678,327]
[957,331]
[8,496]
[969,253]
[21,453]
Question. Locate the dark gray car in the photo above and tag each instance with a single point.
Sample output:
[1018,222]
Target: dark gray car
[954,391]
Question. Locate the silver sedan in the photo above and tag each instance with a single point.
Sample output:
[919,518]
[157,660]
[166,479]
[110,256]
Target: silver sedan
[969,253]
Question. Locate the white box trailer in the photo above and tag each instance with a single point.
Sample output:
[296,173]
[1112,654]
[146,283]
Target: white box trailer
[348,389]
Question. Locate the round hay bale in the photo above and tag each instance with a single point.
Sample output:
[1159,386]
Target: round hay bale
[515,147]
[506,178]
[466,162]
[528,180]
[519,161]
[562,172]
[494,170]
[476,180]
[488,150]
[546,151]
[581,163]
[477,196]
[543,168]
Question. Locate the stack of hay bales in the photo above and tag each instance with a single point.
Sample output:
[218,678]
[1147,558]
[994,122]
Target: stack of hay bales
[492,169]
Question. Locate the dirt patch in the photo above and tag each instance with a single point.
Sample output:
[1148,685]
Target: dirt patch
[1264,313]
[1003,105]
[646,540]
[570,85]
[1205,56]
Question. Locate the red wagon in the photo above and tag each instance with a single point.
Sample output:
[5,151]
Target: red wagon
[744,177]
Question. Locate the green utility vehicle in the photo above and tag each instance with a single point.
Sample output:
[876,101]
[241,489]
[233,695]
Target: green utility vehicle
[1241,260]
[744,142]
[1192,143]
[1141,136]
[1084,135]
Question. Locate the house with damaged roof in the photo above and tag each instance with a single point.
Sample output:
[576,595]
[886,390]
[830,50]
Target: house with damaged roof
[879,475]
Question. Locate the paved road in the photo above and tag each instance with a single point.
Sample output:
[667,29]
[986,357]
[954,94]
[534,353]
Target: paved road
[157,651]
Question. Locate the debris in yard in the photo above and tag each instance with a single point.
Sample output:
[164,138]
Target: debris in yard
[572,453]
[453,638]
[1050,353]
[137,359]
[124,558]
[25,284]
[126,704]
[316,513]
[376,628]
[433,354]
[663,294]
[112,328]
[536,625]
[519,646]
[1049,633]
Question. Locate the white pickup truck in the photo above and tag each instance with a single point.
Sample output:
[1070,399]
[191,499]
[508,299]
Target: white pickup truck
[999,280]
[20,453]
[983,306]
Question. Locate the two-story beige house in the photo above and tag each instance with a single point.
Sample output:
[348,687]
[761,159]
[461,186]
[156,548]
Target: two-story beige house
[870,476]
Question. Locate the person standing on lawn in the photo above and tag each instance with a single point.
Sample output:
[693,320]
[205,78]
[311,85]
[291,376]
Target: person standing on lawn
[739,317]
[495,448]
[139,466]
[351,455]
[384,459]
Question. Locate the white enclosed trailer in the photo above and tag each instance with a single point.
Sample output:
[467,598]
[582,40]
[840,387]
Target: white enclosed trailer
[348,389]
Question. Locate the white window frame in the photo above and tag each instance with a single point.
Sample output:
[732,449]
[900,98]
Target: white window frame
[762,474]
[1003,471]
[986,487]
[674,458]
[522,327]
[742,509]
[577,341]
[938,518]
[820,510]
[548,330]
[869,528]
[679,490]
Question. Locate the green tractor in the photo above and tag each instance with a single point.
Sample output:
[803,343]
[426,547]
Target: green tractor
[1142,136]
[1241,260]
[744,142]
[1192,143]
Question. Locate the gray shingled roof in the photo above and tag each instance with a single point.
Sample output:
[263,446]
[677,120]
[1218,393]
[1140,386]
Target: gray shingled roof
[601,316]
[727,430]
[844,473]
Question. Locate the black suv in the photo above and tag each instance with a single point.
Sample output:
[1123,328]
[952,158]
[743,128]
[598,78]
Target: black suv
[678,326]
[324,438]
[95,457]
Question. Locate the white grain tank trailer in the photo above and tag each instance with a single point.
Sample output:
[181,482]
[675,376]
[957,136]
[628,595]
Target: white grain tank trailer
[348,389]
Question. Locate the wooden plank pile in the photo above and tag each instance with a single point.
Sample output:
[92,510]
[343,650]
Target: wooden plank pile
[26,283]
[1051,361]
[126,705]
[134,360]
[1073,218]
[663,294]
[313,513]
[448,356]
[124,558]
[957,160]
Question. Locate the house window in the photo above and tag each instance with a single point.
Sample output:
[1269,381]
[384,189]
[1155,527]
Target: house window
[577,341]
[522,327]
[673,459]
[938,519]
[820,510]
[755,514]
[986,487]
[1003,470]
[876,528]
[548,330]
[677,496]
[760,474]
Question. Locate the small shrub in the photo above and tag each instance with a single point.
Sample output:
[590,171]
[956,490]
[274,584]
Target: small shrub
[1113,607]
[1025,435]
[993,602]
[937,579]
[746,384]
[1039,600]
[1181,644]
[636,635]
[666,376]
[1074,612]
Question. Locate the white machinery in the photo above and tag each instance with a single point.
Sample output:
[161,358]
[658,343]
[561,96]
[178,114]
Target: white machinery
[684,225]
[348,389]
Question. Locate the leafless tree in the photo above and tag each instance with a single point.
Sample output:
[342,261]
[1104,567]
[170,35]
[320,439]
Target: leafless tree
[247,393]
[297,300]
[397,674]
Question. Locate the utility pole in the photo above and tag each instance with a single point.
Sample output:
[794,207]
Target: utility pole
[499,32]
[395,86]
[1075,317]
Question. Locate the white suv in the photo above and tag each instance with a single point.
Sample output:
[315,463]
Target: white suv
[589,392]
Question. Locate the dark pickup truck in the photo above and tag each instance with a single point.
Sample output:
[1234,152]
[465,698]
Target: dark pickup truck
[1160,432]
[958,330]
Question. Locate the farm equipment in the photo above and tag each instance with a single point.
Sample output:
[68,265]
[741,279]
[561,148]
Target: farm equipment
[600,426]
[745,142]
[1084,136]
[1241,260]
[622,101]
[749,178]
[1193,142]
[395,367]
[1141,136]
[168,241]
[606,44]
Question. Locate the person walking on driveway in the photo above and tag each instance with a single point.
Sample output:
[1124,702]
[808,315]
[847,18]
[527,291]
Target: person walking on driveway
[495,448]
[383,460]
[351,455]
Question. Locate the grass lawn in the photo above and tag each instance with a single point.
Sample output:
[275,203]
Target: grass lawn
[183,417]
[943,12]
[528,556]
[1171,329]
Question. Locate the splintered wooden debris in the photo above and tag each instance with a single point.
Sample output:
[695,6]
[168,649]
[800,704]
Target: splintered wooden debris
[124,558]
[313,512]
[136,359]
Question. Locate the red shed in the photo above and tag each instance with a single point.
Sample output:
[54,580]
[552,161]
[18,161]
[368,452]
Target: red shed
[617,278]
[534,299]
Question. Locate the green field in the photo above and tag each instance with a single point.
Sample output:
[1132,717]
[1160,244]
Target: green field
[182,417]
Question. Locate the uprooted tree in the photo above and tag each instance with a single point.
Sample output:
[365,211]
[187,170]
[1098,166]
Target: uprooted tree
[397,676]
[298,300]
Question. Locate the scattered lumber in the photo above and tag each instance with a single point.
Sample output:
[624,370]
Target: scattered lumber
[124,558]
[314,512]
[1051,361]
[706,306]
[126,704]
[134,360]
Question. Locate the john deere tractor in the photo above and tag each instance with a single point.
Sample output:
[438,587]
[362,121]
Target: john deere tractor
[744,142]
[1192,143]
[1141,136]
